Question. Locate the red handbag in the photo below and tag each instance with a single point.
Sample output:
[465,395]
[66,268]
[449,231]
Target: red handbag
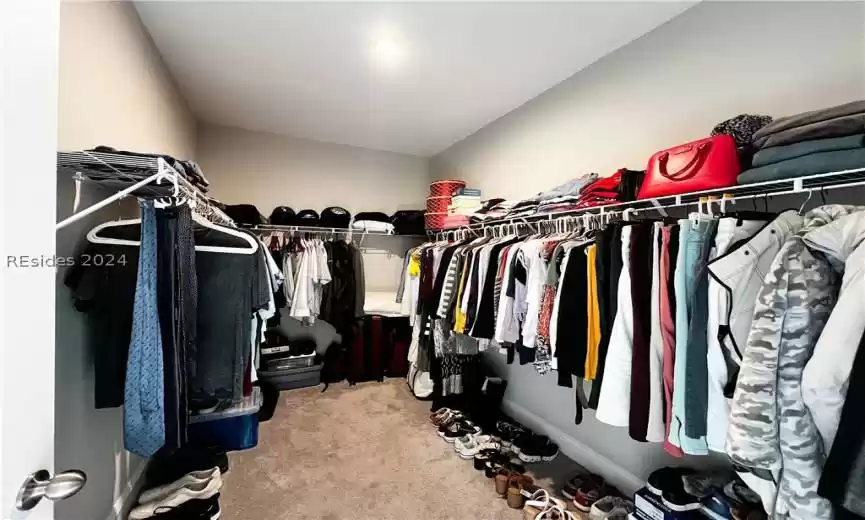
[700,165]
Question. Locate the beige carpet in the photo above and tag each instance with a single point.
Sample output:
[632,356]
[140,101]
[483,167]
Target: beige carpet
[361,452]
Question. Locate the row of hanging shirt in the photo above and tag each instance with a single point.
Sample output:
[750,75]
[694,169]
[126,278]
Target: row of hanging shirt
[730,333]
[324,277]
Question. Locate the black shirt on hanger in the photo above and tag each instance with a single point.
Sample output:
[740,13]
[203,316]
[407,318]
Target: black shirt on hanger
[103,287]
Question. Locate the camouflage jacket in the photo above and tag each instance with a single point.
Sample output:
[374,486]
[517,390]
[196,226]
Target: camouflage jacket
[770,426]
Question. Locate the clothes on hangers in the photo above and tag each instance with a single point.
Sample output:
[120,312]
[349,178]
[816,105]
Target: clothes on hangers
[731,333]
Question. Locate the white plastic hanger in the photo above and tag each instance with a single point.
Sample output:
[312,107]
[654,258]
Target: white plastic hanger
[93,235]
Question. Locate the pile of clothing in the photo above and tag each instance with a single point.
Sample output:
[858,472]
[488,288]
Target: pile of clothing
[810,143]
[582,192]
[115,163]
[622,186]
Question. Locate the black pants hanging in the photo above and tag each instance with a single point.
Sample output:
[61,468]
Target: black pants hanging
[166,236]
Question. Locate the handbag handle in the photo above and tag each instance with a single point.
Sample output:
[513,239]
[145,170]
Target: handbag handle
[687,171]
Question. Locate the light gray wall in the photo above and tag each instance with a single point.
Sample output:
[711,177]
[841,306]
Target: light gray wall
[113,90]
[716,60]
[270,170]
[673,85]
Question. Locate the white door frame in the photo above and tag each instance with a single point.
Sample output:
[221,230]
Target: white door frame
[28,185]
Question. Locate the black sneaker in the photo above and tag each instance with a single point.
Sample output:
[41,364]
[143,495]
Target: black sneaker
[508,431]
[528,441]
[540,450]
[663,479]
[457,429]
[680,500]
[204,509]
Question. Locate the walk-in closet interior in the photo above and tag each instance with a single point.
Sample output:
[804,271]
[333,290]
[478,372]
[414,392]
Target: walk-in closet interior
[372,260]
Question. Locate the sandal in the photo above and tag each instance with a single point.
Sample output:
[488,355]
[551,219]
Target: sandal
[516,485]
[540,501]
[485,456]
[502,482]
[555,513]
[438,415]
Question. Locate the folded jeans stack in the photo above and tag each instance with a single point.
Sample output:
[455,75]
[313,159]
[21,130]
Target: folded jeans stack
[810,143]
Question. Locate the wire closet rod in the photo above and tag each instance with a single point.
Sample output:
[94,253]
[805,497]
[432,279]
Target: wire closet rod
[322,230]
[806,184]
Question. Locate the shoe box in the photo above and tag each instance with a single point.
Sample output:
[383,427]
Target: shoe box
[649,506]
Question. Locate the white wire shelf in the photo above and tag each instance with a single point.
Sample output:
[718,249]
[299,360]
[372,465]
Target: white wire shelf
[759,190]
[136,176]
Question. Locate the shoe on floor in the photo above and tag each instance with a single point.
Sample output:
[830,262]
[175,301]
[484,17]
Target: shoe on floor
[717,506]
[570,488]
[458,428]
[701,485]
[540,501]
[204,509]
[195,477]
[611,507]
[198,491]
[469,446]
[593,489]
[677,499]
[527,439]
[483,456]
[507,431]
[540,450]
[666,478]
[556,513]
[517,484]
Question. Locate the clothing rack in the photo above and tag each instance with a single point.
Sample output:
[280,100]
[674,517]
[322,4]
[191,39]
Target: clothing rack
[141,176]
[759,190]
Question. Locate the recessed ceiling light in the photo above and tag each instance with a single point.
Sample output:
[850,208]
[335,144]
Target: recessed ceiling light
[388,51]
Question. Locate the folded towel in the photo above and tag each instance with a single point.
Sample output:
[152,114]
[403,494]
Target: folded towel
[812,164]
[791,151]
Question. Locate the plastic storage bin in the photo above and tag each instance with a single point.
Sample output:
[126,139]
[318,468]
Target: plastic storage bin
[232,429]
[291,378]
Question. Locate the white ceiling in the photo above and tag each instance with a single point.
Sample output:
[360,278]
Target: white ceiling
[310,70]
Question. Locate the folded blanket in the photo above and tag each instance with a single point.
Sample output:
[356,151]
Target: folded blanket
[811,164]
[806,118]
[791,151]
[837,121]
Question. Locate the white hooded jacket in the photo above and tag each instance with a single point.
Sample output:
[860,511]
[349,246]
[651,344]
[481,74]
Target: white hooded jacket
[826,376]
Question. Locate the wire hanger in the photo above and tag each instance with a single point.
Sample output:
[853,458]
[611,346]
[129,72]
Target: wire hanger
[93,235]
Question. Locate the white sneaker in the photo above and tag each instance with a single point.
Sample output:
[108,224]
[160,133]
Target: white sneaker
[195,477]
[469,446]
[199,490]
[611,507]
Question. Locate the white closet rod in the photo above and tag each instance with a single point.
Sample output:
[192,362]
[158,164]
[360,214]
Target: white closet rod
[764,190]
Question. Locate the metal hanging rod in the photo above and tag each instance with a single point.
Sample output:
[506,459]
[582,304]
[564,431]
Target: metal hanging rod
[139,176]
[327,230]
[810,183]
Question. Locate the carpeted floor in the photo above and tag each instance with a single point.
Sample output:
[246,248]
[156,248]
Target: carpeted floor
[361,452]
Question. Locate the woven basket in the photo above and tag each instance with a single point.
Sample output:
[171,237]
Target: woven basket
[438,204]
[434,220]
[445,188]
